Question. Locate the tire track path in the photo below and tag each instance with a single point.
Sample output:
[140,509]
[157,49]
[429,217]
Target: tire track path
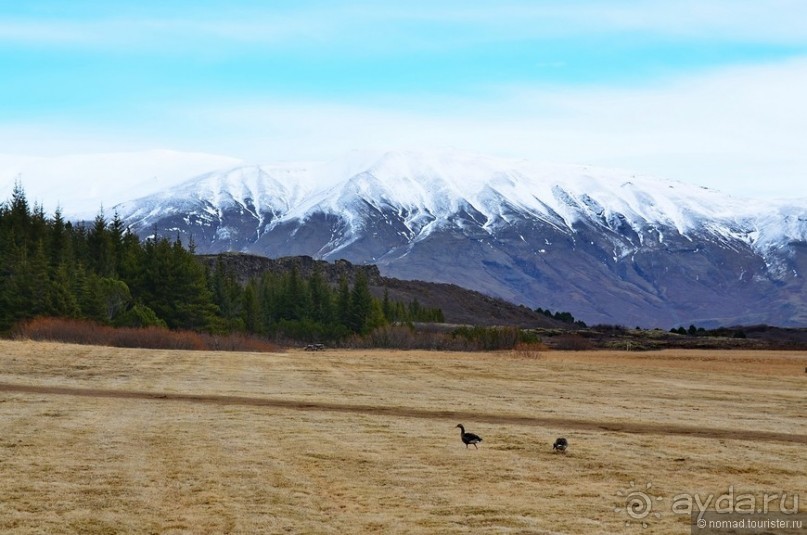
[408,412]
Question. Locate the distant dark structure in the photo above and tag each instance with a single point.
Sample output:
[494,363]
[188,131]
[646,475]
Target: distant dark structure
[469,438]
[560,445]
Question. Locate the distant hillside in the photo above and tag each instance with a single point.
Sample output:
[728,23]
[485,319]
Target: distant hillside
[467,307]
[459,305]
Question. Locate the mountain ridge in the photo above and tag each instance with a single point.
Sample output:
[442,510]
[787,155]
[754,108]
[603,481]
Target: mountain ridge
[608,246]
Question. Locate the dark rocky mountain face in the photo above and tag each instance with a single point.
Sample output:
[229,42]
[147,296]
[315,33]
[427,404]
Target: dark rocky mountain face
[569,252]
[680,281]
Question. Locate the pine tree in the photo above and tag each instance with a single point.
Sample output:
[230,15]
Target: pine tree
[343,303]
[188,300]
[267,297]
[253,321]
[37,287]
[59,241]
[321,299]
[101,249]
[18,216]
[227,293]
[130,261]
[193,296]
[361,303]
[386,307]
[91,299]
[64,300]
[293,297]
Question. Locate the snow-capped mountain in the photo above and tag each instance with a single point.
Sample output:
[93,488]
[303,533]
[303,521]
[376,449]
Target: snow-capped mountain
[606,245]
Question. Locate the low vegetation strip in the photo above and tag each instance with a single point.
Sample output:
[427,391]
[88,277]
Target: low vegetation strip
[407,412]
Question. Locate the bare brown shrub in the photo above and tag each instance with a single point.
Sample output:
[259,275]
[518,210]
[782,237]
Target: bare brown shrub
[531,350]
[84,332]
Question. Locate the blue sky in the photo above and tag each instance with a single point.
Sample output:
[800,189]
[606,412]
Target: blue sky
[709,92]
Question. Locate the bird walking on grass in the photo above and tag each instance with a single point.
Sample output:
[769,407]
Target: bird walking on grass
[469,438]
[560,445]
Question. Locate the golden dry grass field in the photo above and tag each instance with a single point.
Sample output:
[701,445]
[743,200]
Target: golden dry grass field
[97,440]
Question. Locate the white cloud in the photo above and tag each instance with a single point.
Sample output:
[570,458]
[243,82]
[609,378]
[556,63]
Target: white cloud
[735,129]
[738,129]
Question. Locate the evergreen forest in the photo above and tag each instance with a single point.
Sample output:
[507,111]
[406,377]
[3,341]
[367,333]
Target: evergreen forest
[102,272]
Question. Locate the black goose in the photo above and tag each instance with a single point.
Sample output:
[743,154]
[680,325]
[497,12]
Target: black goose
[469,438]
[560,445]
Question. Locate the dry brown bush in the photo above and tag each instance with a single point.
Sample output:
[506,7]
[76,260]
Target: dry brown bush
[532,350]
[89,333]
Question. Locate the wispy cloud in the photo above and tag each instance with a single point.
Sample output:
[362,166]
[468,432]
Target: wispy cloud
[740,127]
[692,89]
[151,33]
[774,21]
[781,21]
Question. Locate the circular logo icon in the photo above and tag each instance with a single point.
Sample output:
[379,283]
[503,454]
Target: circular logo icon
[638,503]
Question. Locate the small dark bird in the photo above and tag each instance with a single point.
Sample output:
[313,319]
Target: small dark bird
[560,445]
[469,438]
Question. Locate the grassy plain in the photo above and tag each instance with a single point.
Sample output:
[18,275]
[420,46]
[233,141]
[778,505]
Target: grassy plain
[98,440]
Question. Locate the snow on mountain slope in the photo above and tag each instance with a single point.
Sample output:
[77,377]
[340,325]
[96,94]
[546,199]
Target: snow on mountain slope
[428,189]
[607,245]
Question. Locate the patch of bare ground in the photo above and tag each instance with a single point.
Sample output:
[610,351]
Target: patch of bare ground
[107,440]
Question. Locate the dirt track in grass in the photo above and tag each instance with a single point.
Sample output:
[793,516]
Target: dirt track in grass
[404,412]
[99,440]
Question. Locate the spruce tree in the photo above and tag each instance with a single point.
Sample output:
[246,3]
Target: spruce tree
[320,297]
[386,306]
[37,286]
[251,309]
[101,248]
[343,303]
[361,304]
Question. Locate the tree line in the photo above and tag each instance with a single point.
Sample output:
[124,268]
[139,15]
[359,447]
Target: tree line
[100,271]
[565,317]
[288,305]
